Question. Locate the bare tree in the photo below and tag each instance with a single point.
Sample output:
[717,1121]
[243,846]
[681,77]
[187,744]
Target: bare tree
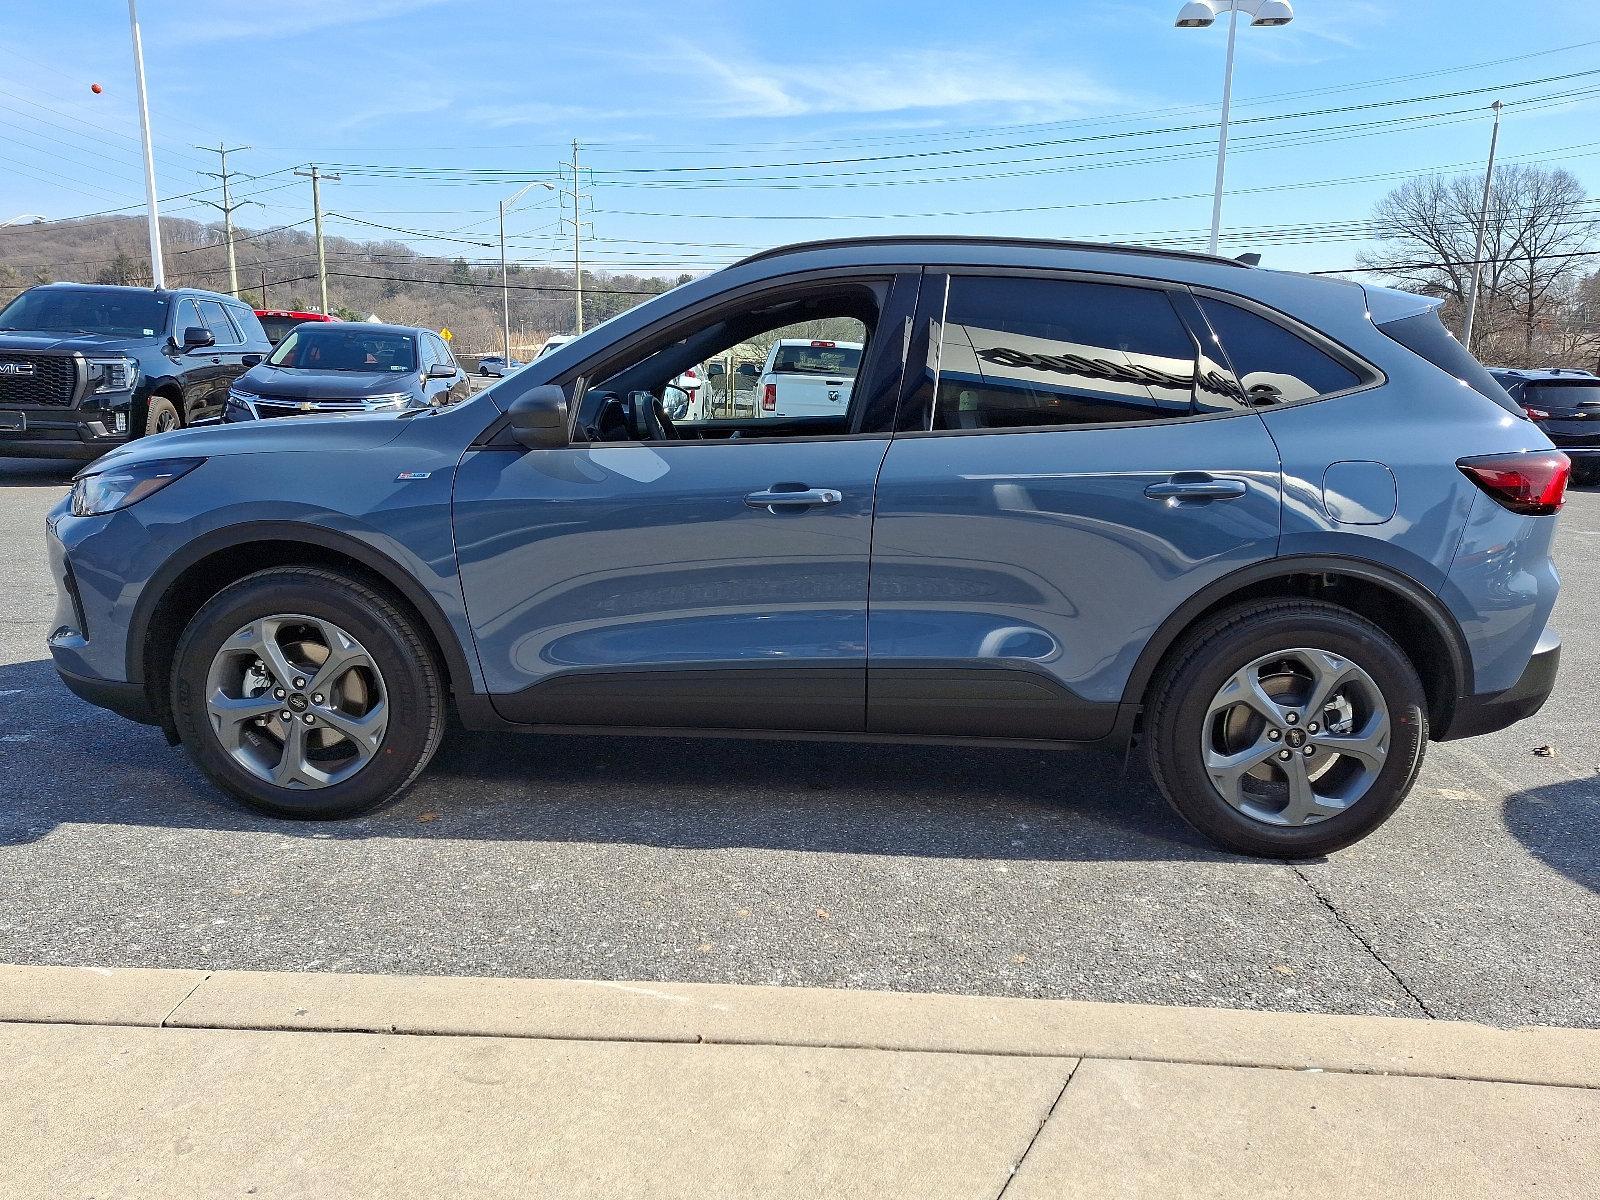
[1538,222]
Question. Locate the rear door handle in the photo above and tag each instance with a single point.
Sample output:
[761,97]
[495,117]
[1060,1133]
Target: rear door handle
[780,496]
[1196,485]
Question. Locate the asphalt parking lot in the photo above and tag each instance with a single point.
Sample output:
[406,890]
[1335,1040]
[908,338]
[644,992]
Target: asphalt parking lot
[998,872]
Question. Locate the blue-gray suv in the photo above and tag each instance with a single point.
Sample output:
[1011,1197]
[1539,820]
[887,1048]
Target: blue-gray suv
[1281,529]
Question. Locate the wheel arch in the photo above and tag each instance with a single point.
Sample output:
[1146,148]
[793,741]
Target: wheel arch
[167,389]
[1405,609]
[209,563]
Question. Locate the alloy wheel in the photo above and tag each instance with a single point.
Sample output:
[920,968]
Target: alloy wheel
[1296,736]
[297,701]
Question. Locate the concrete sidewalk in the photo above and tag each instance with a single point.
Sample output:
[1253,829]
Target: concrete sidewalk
[135,1083]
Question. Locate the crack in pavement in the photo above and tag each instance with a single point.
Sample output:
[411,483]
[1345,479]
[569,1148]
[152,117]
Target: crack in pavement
[1017,1169]
[1422,1005]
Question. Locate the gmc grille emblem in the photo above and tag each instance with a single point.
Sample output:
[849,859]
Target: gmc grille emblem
[18,368]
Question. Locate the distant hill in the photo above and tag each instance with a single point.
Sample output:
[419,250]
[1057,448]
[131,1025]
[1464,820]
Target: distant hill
[387,278]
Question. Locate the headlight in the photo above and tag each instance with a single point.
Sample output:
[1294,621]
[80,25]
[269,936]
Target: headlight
[118,487]
[118,374]
[387,400]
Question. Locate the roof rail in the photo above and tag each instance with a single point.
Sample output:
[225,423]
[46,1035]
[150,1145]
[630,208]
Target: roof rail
[970,240]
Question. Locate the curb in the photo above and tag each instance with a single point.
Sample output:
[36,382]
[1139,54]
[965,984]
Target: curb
[730,1014]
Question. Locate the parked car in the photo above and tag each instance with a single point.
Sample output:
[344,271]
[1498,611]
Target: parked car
[554,342]
[1280,529]
[279,321]
[349,367]
[1565,403]
[86,367]
[807,378]
[497,367]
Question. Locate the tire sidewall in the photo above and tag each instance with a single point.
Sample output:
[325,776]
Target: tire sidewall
[353,609]
[157,405]
[1201,677]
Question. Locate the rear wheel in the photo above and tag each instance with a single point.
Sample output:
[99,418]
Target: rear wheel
[1287,729]
[307,694]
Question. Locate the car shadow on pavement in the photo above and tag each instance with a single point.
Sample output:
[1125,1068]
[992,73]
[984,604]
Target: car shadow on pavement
[37,472]
[1557,823]
[63,761]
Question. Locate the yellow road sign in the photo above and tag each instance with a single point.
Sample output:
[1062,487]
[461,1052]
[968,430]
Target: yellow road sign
[447,335]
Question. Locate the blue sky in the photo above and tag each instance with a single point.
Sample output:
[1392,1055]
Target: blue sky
[712,127]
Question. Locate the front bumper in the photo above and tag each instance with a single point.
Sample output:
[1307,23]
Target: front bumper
[61,432]
[1493,711]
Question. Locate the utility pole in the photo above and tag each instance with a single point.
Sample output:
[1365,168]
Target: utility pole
[227,206]
[1483,222]
[316,177]
[263,287]
[577,237]
[158,270]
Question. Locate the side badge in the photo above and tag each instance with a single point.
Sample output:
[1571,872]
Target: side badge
[405,475]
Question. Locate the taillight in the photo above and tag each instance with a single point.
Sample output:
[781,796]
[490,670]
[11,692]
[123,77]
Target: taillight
[822,345]
[1535,414]
[1534,484]
[769,397]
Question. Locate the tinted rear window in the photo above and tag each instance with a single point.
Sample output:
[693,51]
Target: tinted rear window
[817,360]
[1563,395]
[1425,336]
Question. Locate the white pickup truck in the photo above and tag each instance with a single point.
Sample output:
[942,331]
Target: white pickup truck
[808,378]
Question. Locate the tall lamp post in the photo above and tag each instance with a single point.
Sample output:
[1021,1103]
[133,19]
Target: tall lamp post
[505,281]
[158,270]
[1199,14]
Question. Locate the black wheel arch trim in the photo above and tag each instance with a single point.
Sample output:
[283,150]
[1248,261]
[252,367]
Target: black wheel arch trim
[457,668]
[1408,589]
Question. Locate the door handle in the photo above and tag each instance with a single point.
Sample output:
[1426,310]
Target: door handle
[1196,485]
[780,497]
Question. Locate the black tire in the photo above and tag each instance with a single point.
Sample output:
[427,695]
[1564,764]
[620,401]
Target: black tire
[1203,662]
[411,675]
[161,416]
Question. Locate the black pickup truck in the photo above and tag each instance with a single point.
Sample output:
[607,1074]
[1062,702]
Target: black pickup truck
[85,367]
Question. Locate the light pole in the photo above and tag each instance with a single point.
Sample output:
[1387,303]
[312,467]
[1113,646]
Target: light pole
[505,282]
[158,270]
[1198,14]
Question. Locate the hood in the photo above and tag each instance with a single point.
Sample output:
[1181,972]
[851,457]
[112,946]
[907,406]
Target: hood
[347,431]
[82,343]
[288,384]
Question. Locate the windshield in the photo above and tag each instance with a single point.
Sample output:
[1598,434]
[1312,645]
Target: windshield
[319,347]
[1563,395]
[818,359]
[113,312]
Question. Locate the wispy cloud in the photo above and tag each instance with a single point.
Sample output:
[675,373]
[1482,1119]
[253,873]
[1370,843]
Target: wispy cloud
[926,88]
[289,18]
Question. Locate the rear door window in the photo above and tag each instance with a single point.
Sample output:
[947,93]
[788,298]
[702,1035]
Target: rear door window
[1274,364]
[1019,352]
[221,326]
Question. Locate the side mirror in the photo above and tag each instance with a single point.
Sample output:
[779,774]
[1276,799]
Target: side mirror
[441,371]
[196,337]
[252,360]
[539,419]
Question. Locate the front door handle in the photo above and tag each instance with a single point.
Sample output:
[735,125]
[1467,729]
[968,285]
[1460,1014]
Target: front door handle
[1196,485]
[792,496]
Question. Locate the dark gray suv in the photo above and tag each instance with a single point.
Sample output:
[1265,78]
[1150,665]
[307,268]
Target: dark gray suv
[1281,529]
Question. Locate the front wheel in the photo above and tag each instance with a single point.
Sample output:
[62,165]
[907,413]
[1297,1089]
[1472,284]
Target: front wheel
[307,694]
[161,416]
[1287,728]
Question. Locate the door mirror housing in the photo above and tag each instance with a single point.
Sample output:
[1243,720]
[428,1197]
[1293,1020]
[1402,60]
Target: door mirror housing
[196,338]
[539,418]
[441,371]
[251,360]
